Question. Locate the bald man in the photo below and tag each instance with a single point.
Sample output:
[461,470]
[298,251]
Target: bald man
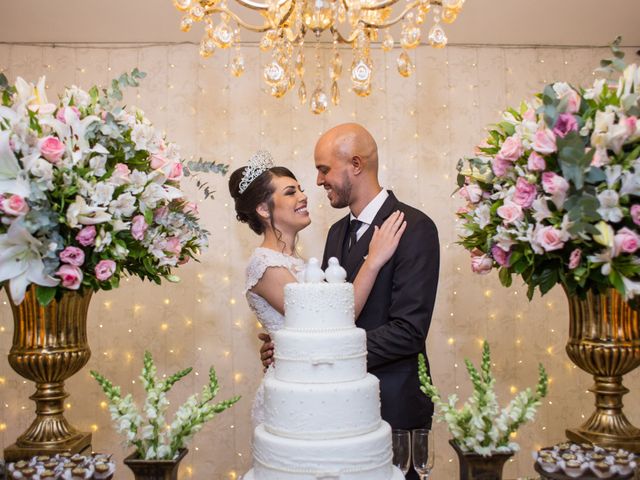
[398,311]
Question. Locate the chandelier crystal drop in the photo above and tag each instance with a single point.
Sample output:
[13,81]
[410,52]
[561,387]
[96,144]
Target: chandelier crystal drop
[285,24]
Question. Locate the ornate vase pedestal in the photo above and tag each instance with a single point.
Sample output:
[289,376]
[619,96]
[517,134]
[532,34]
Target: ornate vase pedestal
[49,346]
[154,469]
[604,340]
[477,467]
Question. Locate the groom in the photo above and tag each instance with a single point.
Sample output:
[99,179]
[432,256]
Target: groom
[398,311]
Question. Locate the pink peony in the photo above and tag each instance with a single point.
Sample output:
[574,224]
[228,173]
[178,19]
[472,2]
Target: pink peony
[635,214]
[86,236]
[536,162]
[544,141]
[510,212]
[554,184]
[471,193]
[73,256]
[105,269]
[500,166]
[158,162]
[574,258]
[564,124]
[138,227]
[525,193]
[480,263]
[549,238]
[71,276]
[625,241]
[573,101]
[52,149]
[511,149]
[175,172]
[67,112]
[500,256]
[14,205]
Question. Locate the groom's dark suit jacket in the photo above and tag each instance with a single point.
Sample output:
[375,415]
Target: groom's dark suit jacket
[398,312]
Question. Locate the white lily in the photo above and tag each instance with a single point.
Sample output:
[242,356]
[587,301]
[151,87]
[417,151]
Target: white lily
[11,175]
[20,261]
[35,96]
[73,135]
[79,213]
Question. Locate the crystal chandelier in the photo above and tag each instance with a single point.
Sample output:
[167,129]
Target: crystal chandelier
[285,23]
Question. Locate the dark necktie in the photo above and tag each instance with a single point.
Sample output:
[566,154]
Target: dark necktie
[353,231]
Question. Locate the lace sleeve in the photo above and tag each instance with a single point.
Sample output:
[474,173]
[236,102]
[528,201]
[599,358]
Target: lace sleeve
[258,264]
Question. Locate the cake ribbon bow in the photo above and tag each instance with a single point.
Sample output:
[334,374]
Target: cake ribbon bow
[319,361]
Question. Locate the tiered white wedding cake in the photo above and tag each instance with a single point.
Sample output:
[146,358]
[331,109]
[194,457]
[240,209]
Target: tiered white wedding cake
[322,408]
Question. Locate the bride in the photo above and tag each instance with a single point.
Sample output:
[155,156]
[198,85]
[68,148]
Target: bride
[270,200]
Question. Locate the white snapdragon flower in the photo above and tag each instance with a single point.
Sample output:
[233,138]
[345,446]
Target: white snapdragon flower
[75,94]
[144,137]
[482,215]
[152,195]
[79,213]
[103,193]
[103,240]
[630,184]
[595,91]
[123,206]
[98,164]
[138,180]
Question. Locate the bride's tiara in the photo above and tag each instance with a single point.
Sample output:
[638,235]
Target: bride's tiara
[260,162]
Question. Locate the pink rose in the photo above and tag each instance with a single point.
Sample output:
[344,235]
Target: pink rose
[120,175]
[544,141]
[160,214]
[471,193]
[480,263]
[536,162]
[500,166]
[172,245]
[549,238]
[86,236]
[529,115]
[14,205]
[105,269]
[175,172]
[525,193]
[158,162]
[556,186]
[564,124]
[190,208]
[71,276]
[625,241]
[73,256]
[52,149]
[138,227]
[500,256]
[463,210]
[511,149]
[632,125]
[635,214]
[510,212]
[574,258]
[65,113]
[573,101]
[600,157]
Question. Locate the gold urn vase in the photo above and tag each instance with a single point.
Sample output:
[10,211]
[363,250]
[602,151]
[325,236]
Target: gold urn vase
[604,340]
[49,346]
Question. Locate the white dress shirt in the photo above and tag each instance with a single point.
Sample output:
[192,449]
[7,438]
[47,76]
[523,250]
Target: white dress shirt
[369,212]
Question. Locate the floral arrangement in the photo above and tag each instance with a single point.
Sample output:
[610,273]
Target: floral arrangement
[553,194]
[150,434]
[480,425]
[89,191]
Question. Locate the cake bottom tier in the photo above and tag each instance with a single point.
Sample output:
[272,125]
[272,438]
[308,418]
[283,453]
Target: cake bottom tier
[362,457]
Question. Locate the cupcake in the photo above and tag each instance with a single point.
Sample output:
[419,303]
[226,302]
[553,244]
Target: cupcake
[574,468]
[104,471]
[601,469]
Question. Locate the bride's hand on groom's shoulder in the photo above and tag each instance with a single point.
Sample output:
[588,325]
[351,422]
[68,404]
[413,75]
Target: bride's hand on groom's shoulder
[385,240]
[266,350]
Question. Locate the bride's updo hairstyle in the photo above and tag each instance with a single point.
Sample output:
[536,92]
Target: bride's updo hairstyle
[248,192]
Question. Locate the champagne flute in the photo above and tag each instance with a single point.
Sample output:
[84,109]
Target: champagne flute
[401,449]
[422,452]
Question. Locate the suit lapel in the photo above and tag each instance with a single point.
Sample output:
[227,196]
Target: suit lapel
[356,257]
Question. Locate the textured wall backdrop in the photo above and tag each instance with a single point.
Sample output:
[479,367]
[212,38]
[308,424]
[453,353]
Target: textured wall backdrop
[423,125]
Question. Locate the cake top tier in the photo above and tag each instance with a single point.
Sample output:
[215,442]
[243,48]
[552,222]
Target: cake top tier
[318,305]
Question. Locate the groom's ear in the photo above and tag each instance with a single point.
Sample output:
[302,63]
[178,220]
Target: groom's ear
[357,164]
[263,210]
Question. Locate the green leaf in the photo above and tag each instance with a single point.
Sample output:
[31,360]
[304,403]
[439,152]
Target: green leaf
[45,295]
[505,277]
[616,280]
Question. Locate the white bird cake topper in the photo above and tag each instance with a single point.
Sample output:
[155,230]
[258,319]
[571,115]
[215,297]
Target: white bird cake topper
[335,273]
[313,273]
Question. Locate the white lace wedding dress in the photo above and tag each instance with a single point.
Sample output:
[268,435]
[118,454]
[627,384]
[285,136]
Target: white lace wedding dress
[270,319]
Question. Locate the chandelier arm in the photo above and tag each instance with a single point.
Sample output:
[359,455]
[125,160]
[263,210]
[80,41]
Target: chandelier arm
[341,38]
[254,28]
[389,3]
[390,23]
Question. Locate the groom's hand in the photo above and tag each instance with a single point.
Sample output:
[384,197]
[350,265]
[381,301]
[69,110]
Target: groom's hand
[266,351]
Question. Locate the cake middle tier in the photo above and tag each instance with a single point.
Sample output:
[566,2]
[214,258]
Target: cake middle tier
[327,356]
[309,411]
